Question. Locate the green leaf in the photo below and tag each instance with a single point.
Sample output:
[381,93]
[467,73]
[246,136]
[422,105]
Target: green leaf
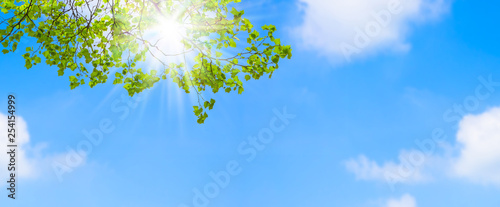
[28,64]
[126,37]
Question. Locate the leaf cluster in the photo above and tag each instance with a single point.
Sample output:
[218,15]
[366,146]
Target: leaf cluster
[93,41]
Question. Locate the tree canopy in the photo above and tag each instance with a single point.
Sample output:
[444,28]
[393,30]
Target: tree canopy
[194,43]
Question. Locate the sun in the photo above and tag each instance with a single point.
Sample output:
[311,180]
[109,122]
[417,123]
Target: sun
[169,35]
[172,29]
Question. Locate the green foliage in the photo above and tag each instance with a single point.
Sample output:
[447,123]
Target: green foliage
[94,39]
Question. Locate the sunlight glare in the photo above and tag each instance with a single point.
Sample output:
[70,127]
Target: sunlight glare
[170,34]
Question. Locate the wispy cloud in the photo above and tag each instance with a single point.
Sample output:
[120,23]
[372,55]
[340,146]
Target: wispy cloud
[405,201]
[406,170]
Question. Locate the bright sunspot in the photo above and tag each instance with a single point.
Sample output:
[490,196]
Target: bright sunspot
[168,35]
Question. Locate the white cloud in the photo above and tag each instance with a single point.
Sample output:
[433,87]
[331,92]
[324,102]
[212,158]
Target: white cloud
[22,138]
[479,138]
[331,26]
[31,163]
[408,170]
[405,201]
[475,156]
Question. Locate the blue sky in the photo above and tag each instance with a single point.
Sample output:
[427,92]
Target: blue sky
[354,122]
